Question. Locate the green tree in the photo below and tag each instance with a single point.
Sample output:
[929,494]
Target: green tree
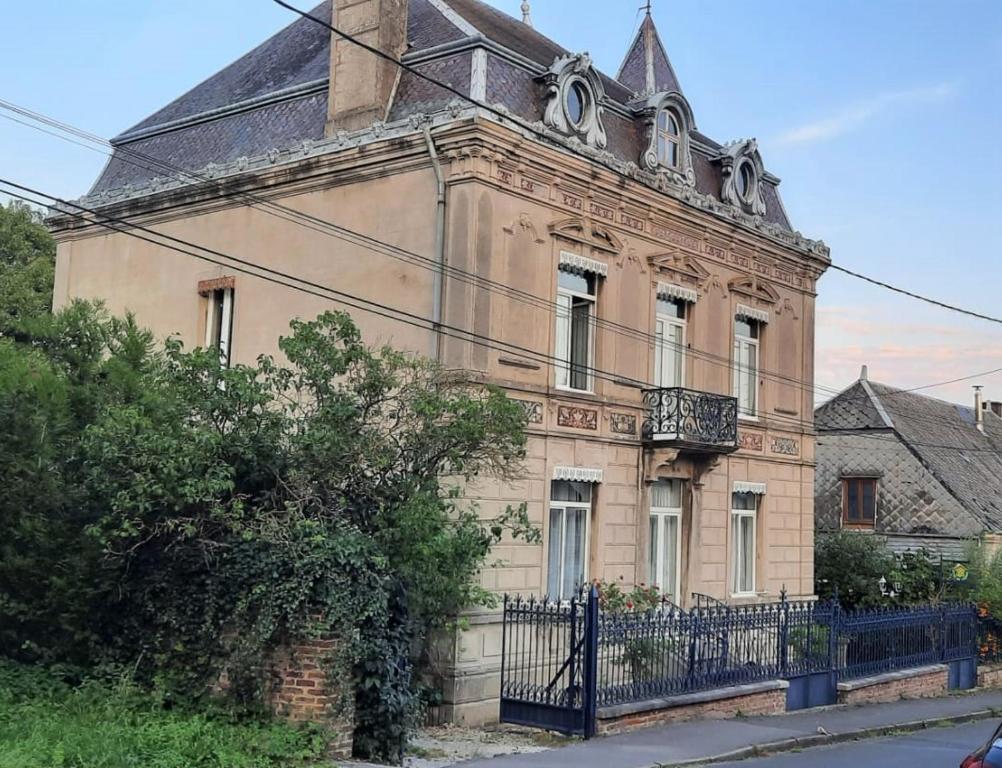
[27,266]
[852,564]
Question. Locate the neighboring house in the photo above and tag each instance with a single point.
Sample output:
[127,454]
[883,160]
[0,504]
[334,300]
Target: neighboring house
[632,312]
[922,472]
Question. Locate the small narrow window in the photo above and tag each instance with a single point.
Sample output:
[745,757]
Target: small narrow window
[669,345]
[859,502]
[744,511]
[574,332]
[219,323]
[746,353]
[570,518]
[669,137]
[666,537]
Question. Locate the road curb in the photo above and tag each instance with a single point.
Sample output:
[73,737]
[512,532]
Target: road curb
[820,740]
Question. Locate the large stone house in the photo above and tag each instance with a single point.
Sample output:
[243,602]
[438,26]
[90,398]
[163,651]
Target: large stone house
[644,295]
[920,472]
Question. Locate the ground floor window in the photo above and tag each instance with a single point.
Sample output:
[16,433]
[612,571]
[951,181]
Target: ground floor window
[570,516]
[666,537]
[744,511]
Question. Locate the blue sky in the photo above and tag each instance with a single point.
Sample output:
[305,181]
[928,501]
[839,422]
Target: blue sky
[877,115]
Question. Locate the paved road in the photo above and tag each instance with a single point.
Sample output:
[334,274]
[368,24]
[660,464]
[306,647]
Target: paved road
[934,748]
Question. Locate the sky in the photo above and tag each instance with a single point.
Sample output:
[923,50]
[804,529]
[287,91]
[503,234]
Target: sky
[877,115]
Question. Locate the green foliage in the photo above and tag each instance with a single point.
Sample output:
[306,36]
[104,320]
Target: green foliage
[645,654]
[46,722]
[27,267]
[984,583]
[184,519]
[852,564]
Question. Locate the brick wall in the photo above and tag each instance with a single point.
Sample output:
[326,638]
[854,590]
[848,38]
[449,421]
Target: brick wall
[300,691]
[990,676]
[761,703]
[931,681]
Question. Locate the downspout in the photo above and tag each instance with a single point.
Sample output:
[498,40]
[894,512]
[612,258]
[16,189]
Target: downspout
[438,287]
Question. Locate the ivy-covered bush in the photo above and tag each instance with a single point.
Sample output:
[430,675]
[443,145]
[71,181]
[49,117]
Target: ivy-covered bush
[183,518]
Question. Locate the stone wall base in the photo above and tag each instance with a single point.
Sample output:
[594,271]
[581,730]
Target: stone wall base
[768,698]
[990,676]
[922,682]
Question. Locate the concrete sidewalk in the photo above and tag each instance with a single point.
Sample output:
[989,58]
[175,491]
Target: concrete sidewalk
[718,740]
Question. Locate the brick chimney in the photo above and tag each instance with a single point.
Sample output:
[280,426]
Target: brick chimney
[361,83]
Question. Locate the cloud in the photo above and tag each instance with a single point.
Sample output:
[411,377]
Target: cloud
[856,115]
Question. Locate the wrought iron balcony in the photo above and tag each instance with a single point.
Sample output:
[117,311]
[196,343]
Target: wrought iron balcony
[685,418]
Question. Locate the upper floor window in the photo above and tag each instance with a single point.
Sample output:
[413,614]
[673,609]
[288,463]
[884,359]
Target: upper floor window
[746,355]
[669,138]
[859,502]
[219,323]
[576,294]
[669,349]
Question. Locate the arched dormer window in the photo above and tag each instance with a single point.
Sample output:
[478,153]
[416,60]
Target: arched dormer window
[669,123]
[574,94]
[669,139]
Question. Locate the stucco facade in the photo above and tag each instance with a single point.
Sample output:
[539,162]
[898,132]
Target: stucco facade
[515,210]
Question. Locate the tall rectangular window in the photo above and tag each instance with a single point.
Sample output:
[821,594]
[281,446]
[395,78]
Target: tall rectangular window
[666,537]
[669,349]
[575,320]
[744,510]
[859,502]
[219,323]
[570,517]
[746,341]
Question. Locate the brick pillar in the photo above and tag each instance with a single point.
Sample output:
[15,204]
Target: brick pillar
[300,691]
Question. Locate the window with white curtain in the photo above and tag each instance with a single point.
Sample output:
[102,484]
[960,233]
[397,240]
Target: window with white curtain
[570,518]
[669,349]
[744,512]
[219,323]
[746,341]
[575,321]
[666,537]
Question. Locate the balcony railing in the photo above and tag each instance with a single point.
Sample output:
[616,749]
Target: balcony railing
[686,418]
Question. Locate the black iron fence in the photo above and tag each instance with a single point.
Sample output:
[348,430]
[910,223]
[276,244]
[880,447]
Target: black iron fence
[561,661]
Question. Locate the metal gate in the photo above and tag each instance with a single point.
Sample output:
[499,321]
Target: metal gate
[548,663]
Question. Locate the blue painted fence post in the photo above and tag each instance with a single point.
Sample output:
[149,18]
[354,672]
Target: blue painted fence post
[591,663]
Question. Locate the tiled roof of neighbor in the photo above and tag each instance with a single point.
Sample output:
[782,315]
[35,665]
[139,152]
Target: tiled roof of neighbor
[272,97]
[942,435]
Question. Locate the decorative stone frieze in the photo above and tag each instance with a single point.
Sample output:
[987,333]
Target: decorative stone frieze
[750,441]
[623,423]
[577,418]
[533,410]
[785,446]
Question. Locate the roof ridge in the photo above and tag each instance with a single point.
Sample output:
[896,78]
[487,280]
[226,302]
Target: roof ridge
[877,404]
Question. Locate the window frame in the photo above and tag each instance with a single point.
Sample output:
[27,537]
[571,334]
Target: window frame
[660,517]
[753,343]
[737,560]
[862,523]
[661,345]
[219,323]
[564,365]
[668,141]
[563,507]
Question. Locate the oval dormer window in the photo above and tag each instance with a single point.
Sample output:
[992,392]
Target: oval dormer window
[746,181]
[577,102]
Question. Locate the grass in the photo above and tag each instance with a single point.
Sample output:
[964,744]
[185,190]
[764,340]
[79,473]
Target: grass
[47,723]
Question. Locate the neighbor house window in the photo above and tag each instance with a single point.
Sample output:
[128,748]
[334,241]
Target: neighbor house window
[666,537]
[570,515]
[746,341]
[859,502]
[744,510]
[669,349]
[669,139]
[219,323]
[575,320]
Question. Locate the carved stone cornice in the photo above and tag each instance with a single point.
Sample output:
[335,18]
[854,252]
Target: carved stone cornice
[587,232]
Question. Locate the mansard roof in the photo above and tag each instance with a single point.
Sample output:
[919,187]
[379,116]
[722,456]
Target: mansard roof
[942,435]
[275,97]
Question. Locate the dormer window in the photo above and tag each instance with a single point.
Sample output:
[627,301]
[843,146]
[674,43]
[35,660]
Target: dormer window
[574,94]
[669,138]
[578,102]
[668,122]
[742,172]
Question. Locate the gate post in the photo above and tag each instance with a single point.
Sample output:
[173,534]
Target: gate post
[784,633]
[590,676]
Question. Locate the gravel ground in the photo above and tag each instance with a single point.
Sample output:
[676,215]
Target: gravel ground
[448,745]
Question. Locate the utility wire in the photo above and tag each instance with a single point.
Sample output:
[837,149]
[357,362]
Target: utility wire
[126,227]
